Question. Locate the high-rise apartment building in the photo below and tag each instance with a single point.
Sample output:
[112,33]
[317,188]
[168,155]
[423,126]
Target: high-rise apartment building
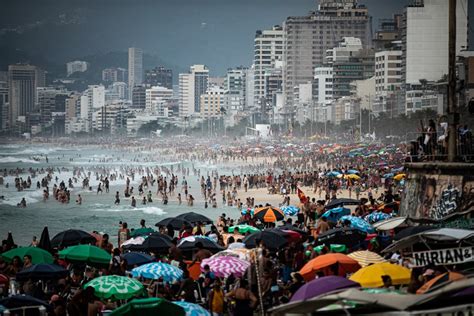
[236,85]
[308,37]
[51,100]
[111,75]
[3,104]
[388,81]
[268,48]
[212,102]
[138,97]
[22,92]
[156,100]
[191,86]
[159,76]
[135,67]
[76,66]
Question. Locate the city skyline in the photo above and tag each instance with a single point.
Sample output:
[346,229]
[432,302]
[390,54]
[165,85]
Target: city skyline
[212,31]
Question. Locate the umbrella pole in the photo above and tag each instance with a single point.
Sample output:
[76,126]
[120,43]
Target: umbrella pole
[259,286]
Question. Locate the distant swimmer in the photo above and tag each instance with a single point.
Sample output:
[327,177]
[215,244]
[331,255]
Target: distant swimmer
[117,198]
[22,203]
[134,202]
[79,199]
[99,188]
[144,200]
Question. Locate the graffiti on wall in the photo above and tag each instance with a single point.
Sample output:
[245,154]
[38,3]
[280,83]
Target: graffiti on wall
[438,196]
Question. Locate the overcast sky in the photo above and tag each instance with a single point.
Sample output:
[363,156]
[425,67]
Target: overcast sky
[218,33]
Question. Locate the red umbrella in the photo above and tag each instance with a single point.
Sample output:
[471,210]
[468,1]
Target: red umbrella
[292,235]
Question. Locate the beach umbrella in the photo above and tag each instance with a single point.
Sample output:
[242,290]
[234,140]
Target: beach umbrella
[371,276]
[154,242]
[243,229]
[271,240]
[334,214]
[365,257]
[236,245]
[399,176]
[293,228]
[141,231]
[224,266]
[340,202]
[323,285]
[375,217]
[412,230]
[193,217]
[343,236]
[352,171]
[192,309]
[151,306]
[22,300]
[325,262]
[133,241]
[390,223]
[352,177]
[288,234]
[72,237]
[388,175]
[86,253]
[247,211]
[332,248]
[176,223]
[358,223]
[158,270]
[333,174]
[290,210]
[439,280]
[137,258]
[115,287]
[241,253]
[269,214]
[45,242]
[38,255]
[42,271]
[190,243]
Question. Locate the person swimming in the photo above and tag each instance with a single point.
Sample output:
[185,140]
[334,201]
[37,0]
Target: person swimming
[22,203]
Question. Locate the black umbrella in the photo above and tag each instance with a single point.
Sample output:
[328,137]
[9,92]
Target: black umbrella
[190,243]
[45,242]
[72,237]
[42,271]
[154,242]
[340,202]
[412,230]
[293,228]
[271,240]
[343,236]
[195,217]
[137,258]
[176,223]
[22,300]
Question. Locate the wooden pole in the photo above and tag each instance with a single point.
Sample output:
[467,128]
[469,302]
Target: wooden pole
[453,115]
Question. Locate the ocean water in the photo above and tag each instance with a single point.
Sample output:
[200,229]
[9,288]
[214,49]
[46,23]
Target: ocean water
[98,211]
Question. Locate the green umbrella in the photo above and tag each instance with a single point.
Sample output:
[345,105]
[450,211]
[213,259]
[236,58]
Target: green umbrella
[332,248]
[243,229]
[115,287]
[141,231]
[38,255]
[149,307]
[85,253]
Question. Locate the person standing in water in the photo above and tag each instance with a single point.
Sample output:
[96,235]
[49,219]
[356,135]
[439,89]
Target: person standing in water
[117,198]
[79,199]
[134,202]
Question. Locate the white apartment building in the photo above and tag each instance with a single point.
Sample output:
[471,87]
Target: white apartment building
[388,80]
[249,87]
[347,48]
[135,67]
[191,86]
[156,99]
[76,66]
[212,101]
[91,100]
[425,38]
[323,85]
[268,48]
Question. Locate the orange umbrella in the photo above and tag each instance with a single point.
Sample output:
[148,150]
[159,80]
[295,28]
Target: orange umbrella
[325,263]
[269,214]
[440,279]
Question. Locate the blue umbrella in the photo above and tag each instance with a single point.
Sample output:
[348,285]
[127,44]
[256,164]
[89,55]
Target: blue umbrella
[246,211]
[376,217]
[42,271]
[358,223]
[192,309]
[334,214]
[137,258]
[352,171]
[333,174]
[158,270]
[388,175]
[290,210]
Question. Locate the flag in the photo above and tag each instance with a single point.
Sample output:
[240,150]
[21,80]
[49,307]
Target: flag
[302,196]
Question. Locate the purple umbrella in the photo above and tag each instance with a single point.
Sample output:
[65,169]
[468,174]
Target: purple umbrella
[322,285]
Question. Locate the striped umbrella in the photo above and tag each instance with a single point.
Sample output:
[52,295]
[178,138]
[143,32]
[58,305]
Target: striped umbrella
[365,257]
[269,214]
[225,266]
[358,223]
[377,217]
[192,309]
[158,270]
[243,229]
[115,287]
[290,210]
[241,253]
[334,214]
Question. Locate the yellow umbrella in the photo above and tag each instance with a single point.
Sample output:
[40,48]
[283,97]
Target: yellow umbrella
[352,177]
[400,176]
[371,276]
[366,257]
